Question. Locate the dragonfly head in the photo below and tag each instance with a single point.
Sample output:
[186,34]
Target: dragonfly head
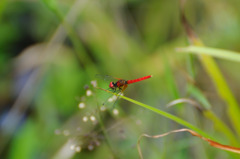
[111,85]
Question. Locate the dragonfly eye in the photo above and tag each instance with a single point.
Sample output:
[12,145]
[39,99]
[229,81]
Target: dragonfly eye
[111,85]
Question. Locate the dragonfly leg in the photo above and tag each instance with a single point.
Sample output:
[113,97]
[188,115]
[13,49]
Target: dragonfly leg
[120,93]
[124,87]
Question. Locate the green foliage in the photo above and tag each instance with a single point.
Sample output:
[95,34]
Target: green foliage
[219,53]
[27,142]
[50,52]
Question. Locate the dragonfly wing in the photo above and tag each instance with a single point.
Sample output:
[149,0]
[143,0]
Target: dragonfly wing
[106,77]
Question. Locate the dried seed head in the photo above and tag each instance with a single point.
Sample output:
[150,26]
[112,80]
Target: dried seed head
[85,118]
[81,105]
[115,112]
[57,132]
[89,92]
[72,147]
[103,108]
[114,97]
[94,83]
[90,147]
[86,87]
[110,99]
[78,148]
[66,132]
[97,143]
[92,118]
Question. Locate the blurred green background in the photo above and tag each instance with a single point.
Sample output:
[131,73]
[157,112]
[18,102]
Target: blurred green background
[50,51]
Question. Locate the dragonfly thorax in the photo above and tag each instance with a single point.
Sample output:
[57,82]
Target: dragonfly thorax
[119,84]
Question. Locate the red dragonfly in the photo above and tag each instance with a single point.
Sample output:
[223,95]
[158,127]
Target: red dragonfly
[122,84]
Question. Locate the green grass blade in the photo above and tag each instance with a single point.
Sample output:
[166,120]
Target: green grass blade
[3,4]
[221,86]
[218,53]
[170,78]
[218,123]
[197,94]
[165,114]
[215,74]
[67,24]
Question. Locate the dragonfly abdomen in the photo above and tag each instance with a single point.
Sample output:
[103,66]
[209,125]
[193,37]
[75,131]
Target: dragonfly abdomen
[139,79]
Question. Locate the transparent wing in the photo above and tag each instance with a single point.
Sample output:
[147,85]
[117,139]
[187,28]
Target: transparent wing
[106,77]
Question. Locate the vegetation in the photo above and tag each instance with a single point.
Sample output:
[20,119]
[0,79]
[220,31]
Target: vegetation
[54,105]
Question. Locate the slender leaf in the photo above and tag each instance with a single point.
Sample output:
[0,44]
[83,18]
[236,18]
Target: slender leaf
[165,114]
[218,53]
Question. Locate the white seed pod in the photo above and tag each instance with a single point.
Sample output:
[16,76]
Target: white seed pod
[89,92]
[78,148]
[94,83]
[115,112]
[85,118]
[92,118]
[81,105]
